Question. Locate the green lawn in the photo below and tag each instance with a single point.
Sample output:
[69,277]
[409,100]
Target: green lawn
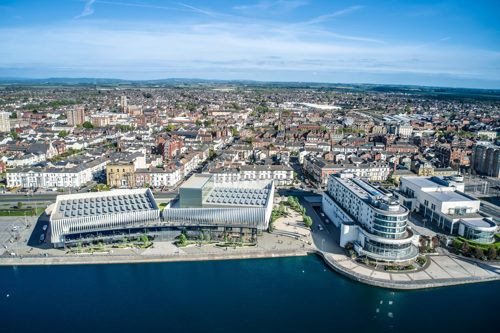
[22,212]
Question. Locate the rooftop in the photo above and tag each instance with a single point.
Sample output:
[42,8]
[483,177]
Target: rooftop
[100,203]
[238,196]
[449,196]
[479,223]
[196,181]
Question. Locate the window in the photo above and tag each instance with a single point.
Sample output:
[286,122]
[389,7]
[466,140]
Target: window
[433,207]
[426,203]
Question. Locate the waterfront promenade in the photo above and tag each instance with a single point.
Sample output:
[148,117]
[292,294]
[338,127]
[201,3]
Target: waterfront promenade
[290,238]
[440,270]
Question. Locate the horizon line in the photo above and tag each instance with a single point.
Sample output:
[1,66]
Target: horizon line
[240,80]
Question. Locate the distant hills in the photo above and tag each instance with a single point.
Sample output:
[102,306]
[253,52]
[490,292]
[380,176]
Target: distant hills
[441,92]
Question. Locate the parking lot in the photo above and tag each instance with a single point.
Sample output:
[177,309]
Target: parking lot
[14,233]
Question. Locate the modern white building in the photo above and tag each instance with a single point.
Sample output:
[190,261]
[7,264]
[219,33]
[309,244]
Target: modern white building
[373,221]
[93,213]
[203,202]
[443,202]
[238,210]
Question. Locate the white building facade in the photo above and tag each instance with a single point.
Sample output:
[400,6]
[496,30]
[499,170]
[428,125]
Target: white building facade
[372,221]
[443,202]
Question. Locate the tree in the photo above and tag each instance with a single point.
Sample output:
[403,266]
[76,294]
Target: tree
[435,242]
[182,239]
[19,205]
[478,253]
[198,122]
[13,115]
[234,131]
[270,229]
[307,221]
[465,248]
[87,125]
[63,134]
[147,95]
[169,128]
[144,239]
[492,253]
[14,135]
[211,153]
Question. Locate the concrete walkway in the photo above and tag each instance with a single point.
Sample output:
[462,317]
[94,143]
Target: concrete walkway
[443,270]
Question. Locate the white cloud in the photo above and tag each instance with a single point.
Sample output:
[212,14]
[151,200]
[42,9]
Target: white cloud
[221,49]
[87,9]
[326,17]
[266,5]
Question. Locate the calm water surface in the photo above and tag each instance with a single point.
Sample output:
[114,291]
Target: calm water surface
[269,295]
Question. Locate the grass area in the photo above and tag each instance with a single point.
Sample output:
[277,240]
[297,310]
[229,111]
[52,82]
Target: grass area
[421,260]
[399,268]
[100,188]
[22,211]
[477,250]
[460,240]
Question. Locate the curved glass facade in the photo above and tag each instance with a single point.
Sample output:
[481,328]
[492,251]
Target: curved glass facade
[479,236]
[390,226]
[390,251]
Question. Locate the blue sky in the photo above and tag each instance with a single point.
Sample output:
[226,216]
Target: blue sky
[444,43]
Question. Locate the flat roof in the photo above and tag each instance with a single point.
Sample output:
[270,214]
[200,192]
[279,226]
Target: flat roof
[421,181]
[196,181]
[448,196]
[479,223]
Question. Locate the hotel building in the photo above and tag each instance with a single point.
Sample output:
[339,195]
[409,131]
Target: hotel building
[373,221]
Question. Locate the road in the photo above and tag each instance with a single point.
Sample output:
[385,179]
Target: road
[490,209]
[51,197]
